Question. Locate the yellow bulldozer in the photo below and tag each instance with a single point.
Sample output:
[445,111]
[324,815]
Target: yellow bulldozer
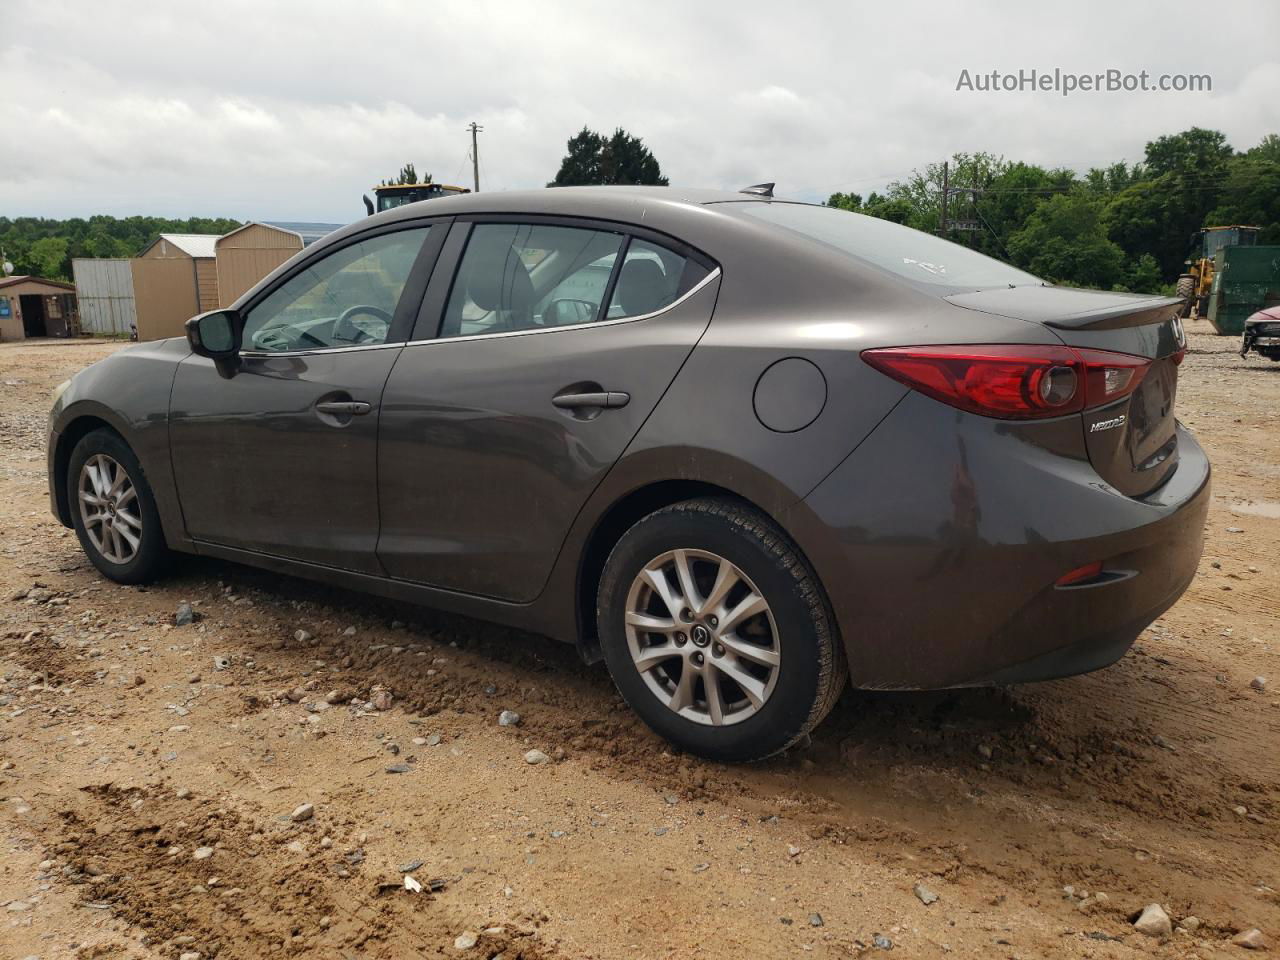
[1195,284]
[390,195]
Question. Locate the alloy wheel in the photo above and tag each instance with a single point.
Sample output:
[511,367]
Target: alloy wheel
[702,637]
[109,508]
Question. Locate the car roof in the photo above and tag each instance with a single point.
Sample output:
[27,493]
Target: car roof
[635,204]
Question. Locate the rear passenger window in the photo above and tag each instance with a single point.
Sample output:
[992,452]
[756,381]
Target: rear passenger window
[649,281]
[526,276]
[523,276]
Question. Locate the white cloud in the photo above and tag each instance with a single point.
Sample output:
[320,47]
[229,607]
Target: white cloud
[292,110]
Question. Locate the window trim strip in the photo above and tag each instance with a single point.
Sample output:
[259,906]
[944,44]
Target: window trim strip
[713,275]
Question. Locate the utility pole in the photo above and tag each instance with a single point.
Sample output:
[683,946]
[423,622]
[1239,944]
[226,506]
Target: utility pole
[475,154]
[946,191]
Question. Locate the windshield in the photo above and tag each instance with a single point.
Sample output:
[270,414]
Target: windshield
[910,254]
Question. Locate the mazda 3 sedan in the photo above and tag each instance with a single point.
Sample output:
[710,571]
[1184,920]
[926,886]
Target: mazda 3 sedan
[744,450]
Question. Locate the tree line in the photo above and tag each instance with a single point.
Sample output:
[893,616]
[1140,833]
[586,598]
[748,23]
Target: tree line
[1119,227]
[1123,226]
[44,247]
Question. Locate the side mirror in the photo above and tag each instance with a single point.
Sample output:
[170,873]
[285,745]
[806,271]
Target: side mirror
[217,335]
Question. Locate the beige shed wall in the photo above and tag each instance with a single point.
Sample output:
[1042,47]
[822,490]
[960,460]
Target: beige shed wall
[247,255]
[207,283]
[165,295]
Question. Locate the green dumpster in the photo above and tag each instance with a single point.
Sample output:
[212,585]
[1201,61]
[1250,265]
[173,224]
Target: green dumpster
[1245,280]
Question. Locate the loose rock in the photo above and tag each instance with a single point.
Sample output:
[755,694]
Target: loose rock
[1153,921]
[924,894]
[203,853]
[535,757]
[184,615]
[508,718]
[1251,939]
[465,940]
[304,812]
[1258,683]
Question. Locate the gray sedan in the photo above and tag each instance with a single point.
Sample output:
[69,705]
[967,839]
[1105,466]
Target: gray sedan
[739,448]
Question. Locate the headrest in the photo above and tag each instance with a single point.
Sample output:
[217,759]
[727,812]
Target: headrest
[496,277]
[642,287]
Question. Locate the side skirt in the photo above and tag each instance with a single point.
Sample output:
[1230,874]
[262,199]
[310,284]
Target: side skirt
[527,616]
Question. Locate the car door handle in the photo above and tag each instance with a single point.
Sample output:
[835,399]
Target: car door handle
[610,399]
[344,408]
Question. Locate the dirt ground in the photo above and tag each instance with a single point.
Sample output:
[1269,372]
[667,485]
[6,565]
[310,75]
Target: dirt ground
[148,772]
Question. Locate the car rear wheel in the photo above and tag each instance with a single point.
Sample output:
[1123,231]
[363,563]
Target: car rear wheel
[113,509]
[716,632]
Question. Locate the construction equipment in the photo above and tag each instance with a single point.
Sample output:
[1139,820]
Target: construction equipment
[389,195]
[1194,285]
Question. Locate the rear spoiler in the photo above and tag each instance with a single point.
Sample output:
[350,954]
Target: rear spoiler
[1070,308]
[1155,310]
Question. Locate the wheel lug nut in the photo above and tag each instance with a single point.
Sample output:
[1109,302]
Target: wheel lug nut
[714,621]
[686,615]
[717,651]
[697,658]
[681,639]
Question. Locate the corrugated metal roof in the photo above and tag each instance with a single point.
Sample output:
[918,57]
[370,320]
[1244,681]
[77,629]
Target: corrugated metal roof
[309,232]
[192,244]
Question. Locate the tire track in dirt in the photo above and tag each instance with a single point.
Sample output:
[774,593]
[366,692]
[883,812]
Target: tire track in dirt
[138,853]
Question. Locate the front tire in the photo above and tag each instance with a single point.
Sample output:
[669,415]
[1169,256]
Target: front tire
[716,631]
[113,509]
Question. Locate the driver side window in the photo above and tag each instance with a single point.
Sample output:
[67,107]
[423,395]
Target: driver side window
[345,299]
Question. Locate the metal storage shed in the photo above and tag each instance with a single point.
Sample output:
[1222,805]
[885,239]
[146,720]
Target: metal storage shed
[248,254]
[174,279]
[35,307]
[104,287]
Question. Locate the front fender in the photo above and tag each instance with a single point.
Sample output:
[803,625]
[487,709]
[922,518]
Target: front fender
[128,392]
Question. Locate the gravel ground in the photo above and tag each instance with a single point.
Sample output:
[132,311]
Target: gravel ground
[272,778]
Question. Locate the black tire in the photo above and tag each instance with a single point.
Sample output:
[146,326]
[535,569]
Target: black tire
[811,672]
[151,554]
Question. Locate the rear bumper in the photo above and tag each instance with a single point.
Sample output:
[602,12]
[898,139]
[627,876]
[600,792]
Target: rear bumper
[940,539]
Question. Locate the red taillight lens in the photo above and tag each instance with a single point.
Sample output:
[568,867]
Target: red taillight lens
[1012,381]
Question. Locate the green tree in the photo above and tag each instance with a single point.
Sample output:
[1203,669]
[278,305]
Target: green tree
[1142,276]
[49,257]
[621,159]
[1011,197]
[1065,241]
[1251,193]
[407,177]
[1196,152]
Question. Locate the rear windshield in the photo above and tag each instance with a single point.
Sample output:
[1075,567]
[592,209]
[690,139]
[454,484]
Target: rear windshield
[911,254]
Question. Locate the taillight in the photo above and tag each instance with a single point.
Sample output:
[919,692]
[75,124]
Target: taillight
[1013,381]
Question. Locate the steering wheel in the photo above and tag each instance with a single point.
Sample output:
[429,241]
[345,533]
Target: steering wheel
[360,335]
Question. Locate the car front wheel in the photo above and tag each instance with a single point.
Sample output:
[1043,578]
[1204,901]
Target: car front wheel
[113,509]
[716,632]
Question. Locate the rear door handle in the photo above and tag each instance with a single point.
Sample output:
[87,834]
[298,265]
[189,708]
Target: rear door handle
[344,408]
[610,399]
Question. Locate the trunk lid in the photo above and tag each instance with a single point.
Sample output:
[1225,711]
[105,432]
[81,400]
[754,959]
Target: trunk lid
[1132,443]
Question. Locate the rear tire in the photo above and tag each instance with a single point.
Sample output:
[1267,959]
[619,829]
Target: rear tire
[711,591]
[113,509]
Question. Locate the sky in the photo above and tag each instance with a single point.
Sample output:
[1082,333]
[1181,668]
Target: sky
[283,110]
